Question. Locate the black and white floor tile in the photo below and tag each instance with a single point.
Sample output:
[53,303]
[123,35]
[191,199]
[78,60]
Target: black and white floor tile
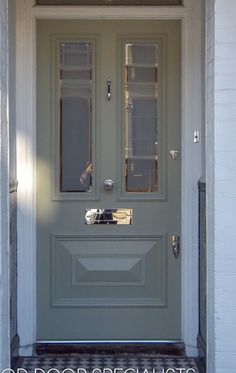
[108,364]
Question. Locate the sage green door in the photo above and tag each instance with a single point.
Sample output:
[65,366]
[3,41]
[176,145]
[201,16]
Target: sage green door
[108,110]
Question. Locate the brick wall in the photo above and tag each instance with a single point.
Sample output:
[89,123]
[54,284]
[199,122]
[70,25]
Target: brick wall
[221,183]
[225,185]
[4,190]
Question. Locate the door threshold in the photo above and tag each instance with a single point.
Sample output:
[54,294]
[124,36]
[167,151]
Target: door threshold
[162,348]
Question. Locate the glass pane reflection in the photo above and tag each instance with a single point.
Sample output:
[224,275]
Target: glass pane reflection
[141,103]
[76,83]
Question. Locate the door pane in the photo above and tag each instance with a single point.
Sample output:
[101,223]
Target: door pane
[141,117]
[76,84]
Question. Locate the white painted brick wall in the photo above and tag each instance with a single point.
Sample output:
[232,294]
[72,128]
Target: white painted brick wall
[4,190]
[210,159]
[221,180]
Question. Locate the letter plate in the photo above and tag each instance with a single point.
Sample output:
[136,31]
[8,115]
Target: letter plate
[109,216]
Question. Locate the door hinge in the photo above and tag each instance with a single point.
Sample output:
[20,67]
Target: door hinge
[176,245]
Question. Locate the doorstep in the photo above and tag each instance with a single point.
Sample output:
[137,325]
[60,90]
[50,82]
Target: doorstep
[108,363]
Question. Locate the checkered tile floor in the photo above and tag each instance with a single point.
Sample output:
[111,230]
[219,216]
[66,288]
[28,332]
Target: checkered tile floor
[88,364]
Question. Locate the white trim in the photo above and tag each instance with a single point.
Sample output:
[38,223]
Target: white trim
[26,151]
[4,190]
[115,12]
[191,171]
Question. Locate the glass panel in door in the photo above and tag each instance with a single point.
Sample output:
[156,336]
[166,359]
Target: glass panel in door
[141,117]
[76,85]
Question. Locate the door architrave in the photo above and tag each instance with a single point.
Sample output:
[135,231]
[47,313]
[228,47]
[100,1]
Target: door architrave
[191,112]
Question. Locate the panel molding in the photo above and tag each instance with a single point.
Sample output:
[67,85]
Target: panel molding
[58,300]
[136,259]
[100,302]
[111,2]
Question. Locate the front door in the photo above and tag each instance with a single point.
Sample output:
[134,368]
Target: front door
[108,180]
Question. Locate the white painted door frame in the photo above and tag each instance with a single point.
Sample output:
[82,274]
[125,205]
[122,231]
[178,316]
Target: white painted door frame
[27,14]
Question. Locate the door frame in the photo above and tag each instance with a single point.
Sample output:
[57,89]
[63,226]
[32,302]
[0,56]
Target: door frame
[190,15]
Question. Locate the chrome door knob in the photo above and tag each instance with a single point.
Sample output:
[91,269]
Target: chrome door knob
[108,184]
